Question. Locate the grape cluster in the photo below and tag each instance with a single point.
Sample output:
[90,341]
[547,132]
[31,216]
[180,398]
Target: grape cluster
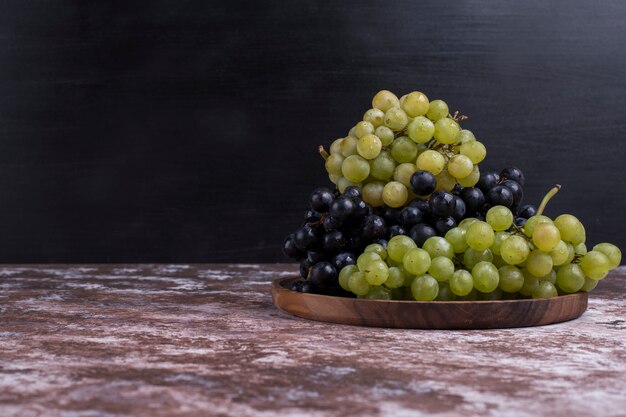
[413,218]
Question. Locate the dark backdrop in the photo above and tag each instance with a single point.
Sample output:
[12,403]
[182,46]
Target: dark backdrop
[187,130]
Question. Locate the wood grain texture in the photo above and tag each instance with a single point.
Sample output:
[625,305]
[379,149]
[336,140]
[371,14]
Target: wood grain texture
[206,340]
[152,130]
[456,315]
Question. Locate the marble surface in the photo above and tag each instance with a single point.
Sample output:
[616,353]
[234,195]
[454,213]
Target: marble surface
[206,340]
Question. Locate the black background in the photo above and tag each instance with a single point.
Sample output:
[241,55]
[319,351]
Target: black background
[186,131]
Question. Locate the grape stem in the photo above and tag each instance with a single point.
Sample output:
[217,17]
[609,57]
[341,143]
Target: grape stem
[547,198]
[323,152]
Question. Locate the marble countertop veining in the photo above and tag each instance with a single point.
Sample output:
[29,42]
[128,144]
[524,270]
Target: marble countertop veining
[206,340]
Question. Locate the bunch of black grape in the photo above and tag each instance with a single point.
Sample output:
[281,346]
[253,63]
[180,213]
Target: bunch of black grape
[336,228]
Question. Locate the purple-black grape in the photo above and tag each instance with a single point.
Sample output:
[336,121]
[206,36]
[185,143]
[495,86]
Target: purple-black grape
[396,230]
[352,192]
[459,209]
[290,249]
[323,275]
[527,211]
[305,265]
[423,183]
[333,241]
[487,181]
[343,259]
[330,223]
[500,195]
[411,216]
[474,200]
[374,228]
[342,208]
[421,232]
[306,237]
[442,203]
[444,224]
[516,190]
[321,199]
[513,173]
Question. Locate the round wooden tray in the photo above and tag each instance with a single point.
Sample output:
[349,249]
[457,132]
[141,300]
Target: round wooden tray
[428,315]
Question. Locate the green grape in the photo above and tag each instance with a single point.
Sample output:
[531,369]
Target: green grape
[382,166]
[595,264]
[431,161]
[415,104]
[545,289]
[494,295]
[589,284]
[571,253]
[539,263]
[395,194]
[398,246]
[479,236]
[456,237]
[499,217]
[403,149]
[531,283]
[334,178]
[472,179]
[461,282]
[446,131]
[376,272]
[570,278]
[384,100]
[355,168]
[363,129]
[385,135]
[378,293]
[485,276]
[445,293]
[498,261]
[348,146]
[358,284]
[420,129]
[335,147]
[465,223]
[333,164]
[474,150]
[373,193]
[365,259]
[396,119]
[580,249]
[571,229]
[471,257]
[465,136]
[472,296]
[438,109]
[546,236]
[378,249]
[403,173]
[416,261]
[344,276]
[352,132]
[391,262]
[374,116]
[511,278]
[424,288]
[395,278]
[438,246]
[460,166]
[498,238]
[514,250]
[445,181]
[560,253]
[344,183]
[612,252]
[369,146]
[531,223]
[441,268]
[551,276]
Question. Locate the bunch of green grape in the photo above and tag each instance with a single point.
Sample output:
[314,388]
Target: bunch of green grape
[398,137]
[484,260]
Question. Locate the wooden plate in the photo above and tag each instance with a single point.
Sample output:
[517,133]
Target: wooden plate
[428,315]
